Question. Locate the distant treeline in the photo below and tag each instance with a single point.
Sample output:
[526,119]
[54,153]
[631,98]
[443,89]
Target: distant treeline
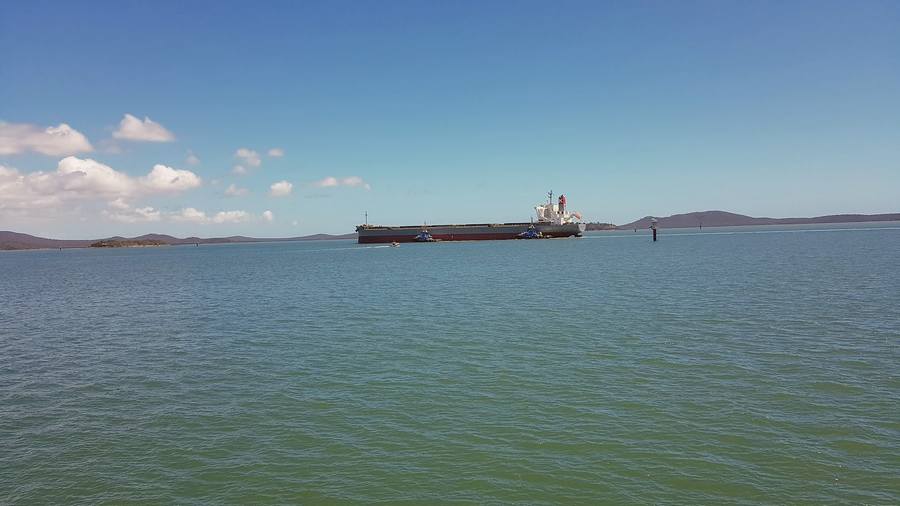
[128,243]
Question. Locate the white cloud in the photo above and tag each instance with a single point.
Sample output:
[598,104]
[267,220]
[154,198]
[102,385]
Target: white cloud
[248,157]
[85,176]
[133,129]
[351,181]
[326,183]
[147,213]
[281,189]
[230,217]
[16,138]
[85,179]
[234,191]
[192,215]
[189,214]
[355,181]
[125,213]
[20,191]
[167,179]
[268,216]
[276,152]
[192,159]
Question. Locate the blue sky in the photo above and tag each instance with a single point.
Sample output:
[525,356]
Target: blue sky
[443,111]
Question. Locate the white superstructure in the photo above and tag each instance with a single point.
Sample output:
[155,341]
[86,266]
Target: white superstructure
[556,213]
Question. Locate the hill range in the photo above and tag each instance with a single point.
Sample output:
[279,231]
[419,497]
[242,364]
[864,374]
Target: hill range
[726,219]
[18,241]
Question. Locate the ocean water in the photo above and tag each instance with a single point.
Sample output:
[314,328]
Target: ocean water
[729,366]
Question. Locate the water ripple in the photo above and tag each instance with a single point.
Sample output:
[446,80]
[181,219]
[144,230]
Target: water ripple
[737,368]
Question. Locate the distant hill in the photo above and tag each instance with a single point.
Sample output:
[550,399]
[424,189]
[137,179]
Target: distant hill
[17,241]
[726,219]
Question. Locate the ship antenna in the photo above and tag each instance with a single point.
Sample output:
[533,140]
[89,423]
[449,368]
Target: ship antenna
[367,218]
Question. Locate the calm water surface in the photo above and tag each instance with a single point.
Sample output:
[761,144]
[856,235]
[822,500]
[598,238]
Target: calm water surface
[739,366]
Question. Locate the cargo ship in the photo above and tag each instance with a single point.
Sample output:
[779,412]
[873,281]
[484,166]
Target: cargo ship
[553,220]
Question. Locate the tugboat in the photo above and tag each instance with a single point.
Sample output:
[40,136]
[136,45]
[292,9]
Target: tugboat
[531,233]
[424,236]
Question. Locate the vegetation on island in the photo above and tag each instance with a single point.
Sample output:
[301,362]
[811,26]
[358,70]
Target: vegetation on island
[128,243]
[599,226]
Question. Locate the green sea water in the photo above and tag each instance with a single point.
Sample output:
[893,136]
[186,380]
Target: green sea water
[729,366]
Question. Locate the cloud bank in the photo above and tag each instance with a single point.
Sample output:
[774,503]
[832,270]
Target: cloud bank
[84,178]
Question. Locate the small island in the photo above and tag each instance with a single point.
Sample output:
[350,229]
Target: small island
[128,243]
[599,226]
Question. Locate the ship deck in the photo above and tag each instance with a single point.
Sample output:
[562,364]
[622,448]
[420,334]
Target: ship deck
[454,225]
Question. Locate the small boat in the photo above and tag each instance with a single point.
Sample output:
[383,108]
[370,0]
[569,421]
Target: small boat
[395,244]
[424,236]
[531,233]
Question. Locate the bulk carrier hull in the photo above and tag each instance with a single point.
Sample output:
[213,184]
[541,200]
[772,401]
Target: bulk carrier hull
[369,234]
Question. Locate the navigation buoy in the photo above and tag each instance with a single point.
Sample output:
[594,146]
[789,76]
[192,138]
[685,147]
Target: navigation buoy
[653,225]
